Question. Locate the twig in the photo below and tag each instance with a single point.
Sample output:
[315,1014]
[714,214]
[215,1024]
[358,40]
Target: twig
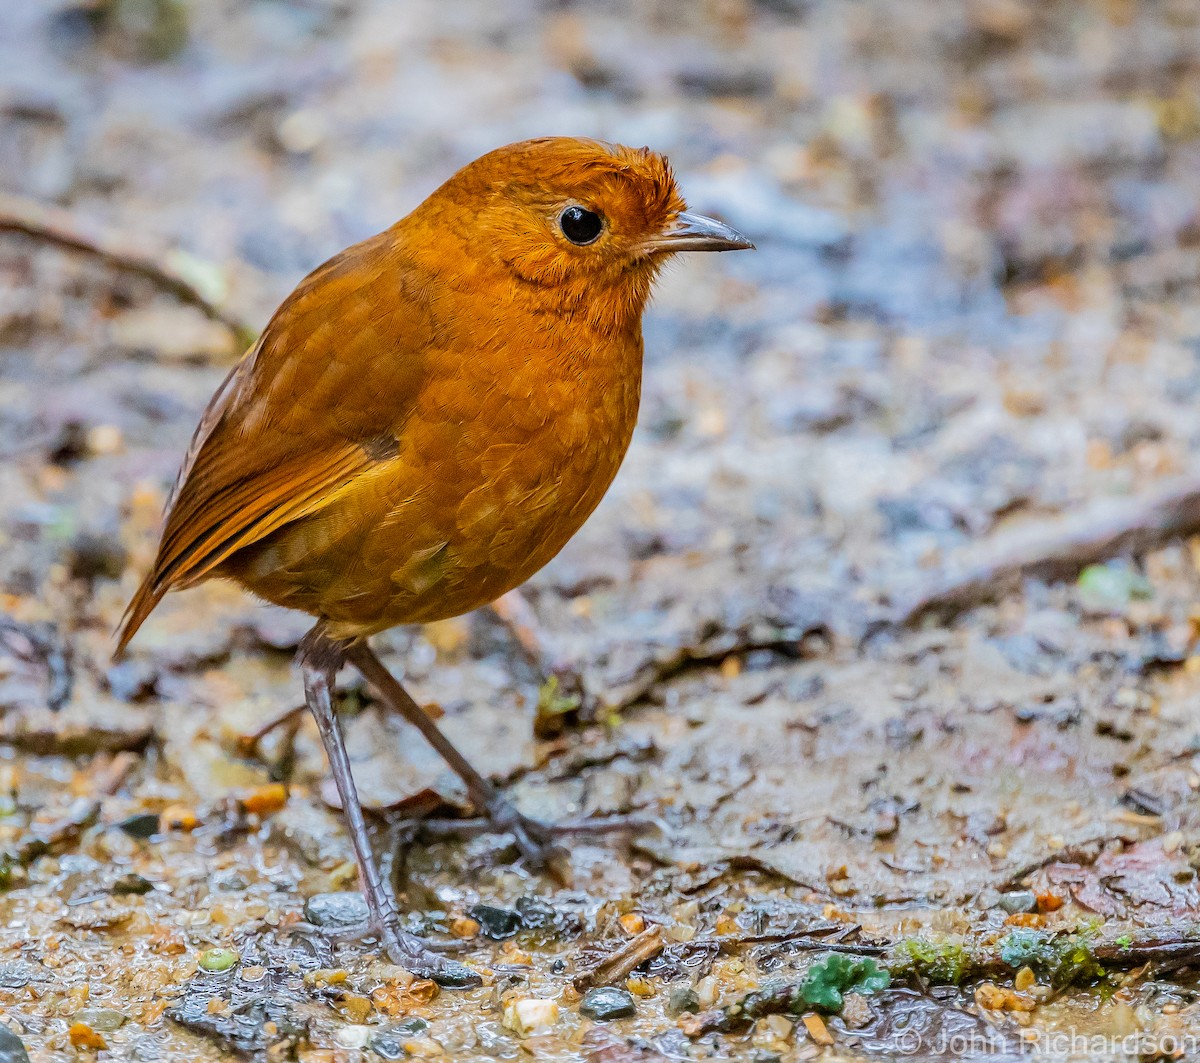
[794,642]
[477,825]
[1175,952]
[109,778]
[648,944]
[53,225]
[1098,534]
[248,743]
[516,614]
[80,742]
[801,943]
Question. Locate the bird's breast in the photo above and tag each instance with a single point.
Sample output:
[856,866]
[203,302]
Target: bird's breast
[498,464]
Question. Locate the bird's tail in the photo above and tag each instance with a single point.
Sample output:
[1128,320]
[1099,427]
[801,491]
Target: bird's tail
[148,595]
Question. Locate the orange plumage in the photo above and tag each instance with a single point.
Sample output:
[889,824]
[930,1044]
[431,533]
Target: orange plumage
[434,412]
[425,422]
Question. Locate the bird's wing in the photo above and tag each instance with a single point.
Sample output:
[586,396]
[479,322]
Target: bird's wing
[310,407]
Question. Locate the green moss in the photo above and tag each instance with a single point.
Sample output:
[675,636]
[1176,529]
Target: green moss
[829,979]
[823,988]
[1062,959]
[554,702]
[942,961]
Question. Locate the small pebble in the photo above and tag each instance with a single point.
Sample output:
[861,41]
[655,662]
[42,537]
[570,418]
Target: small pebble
[105,439]
[103,1019]
[1049,902]
[81,1035]
[387,1045]
[682,999]
[817,1029]
[352,1037]
[140,825]
[389,1042]
[536,914]
[464,927]
[217,960]
[727,924]
[1018,901]
[338,910]
[178,817]
[11,1049]
[992,997]
[777,1027]
[633,923]
[16,974]
[356,1008]
[265,800]
[321,976]
[606,1003]
[856,1011]
[131,885]
[530,1013]
[496,923]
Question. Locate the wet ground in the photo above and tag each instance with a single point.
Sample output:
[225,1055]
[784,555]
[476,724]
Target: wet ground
[971,334]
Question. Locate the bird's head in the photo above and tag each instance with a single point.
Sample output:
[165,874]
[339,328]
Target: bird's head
[584,225]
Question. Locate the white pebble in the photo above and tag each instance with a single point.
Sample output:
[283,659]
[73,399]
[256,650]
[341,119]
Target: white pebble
[529,1014]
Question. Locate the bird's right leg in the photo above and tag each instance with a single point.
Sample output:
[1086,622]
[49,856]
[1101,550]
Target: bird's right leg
[484,795]
[534,839]
[320,659]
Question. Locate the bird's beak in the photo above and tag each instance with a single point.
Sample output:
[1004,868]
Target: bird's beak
[695,232]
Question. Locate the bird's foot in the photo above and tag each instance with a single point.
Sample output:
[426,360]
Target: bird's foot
[406,950]
[415,956]
[536,841]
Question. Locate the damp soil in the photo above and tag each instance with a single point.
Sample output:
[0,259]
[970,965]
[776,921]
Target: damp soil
[972,325]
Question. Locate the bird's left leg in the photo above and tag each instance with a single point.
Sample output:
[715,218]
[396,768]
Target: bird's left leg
[320,659]
[534,839]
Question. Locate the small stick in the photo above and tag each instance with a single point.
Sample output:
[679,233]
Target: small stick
[1098,534]
[53,225]
[110,777]
[248,743]
[516,614]
[648,944]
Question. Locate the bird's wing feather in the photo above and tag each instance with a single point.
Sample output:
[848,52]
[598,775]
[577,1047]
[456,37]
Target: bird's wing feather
[317,370]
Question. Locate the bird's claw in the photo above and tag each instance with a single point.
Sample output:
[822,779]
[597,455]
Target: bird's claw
[406,950]
[449,974]
[536,841]
[416,957]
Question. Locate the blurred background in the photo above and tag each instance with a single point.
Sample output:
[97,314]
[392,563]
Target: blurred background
[972,321]
[978,230]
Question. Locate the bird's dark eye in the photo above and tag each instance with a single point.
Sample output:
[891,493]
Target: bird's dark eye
[580,225]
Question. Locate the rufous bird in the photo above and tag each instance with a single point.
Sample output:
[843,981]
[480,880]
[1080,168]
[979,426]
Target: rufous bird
[426,421]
